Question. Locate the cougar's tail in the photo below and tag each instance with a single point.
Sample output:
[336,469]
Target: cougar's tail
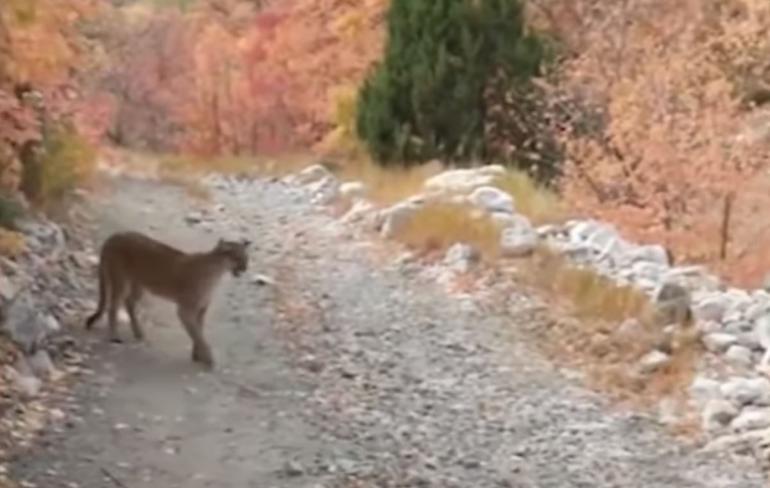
[102,297]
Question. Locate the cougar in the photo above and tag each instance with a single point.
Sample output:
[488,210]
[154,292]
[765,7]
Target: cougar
[131,262]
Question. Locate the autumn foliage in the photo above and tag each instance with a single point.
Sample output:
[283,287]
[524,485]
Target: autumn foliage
[41,51]
[659,96]
[233,77]
[652,110]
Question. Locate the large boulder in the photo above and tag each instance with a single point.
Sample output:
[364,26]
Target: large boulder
[464,180]
[27,324]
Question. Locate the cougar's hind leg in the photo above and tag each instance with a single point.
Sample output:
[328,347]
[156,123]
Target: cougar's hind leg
[117,299]
[132,299]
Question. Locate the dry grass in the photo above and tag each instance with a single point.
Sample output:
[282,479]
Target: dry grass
[539,204]
[437,226]
[11,243]
[592,339]
[592,296]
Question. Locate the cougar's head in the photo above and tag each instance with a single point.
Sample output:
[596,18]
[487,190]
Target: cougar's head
[237,254]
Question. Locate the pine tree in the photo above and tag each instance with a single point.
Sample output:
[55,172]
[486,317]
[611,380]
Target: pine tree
[426,99]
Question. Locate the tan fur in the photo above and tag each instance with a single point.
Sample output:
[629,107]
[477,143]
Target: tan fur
[131,263]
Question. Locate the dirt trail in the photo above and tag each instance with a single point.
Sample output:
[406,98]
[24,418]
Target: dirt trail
[344,374]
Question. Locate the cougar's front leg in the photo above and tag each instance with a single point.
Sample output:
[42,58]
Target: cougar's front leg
[192,319]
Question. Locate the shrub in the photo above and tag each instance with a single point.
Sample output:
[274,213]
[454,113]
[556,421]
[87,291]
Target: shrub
[65,161]
[10,210]
[426,99]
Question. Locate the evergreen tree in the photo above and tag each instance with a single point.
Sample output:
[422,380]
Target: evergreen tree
[426,98]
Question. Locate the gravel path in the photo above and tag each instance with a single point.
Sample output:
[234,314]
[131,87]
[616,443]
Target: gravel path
[344,373]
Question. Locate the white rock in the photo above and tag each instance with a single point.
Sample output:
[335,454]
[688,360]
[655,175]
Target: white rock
[352,189]
[738,327]
[262,280]
[27,325]
[495,170]
[604,239]
[751,419]
[311,174]
[395,218]
[645,270]
[653,361]
[492,199]
[360,211]
[519,240]
[41,364]
[732,315]
[652,253]
[762,331]
[26,384]
[324,191]
[739,355]
[7,288]
[749,340]
[582,230]
[717,414]
[719,341]
[461,257]
[703,389]
[744,391]
[461,180]
[708,327]
[711,308]
[757,310]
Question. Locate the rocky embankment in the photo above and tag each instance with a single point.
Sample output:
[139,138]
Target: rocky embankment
[42,292]
[731,389]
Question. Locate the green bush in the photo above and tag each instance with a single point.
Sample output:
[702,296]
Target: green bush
[10,210]
[427,98]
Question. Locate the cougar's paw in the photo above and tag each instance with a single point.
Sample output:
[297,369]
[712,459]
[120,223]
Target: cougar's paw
[202,355]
